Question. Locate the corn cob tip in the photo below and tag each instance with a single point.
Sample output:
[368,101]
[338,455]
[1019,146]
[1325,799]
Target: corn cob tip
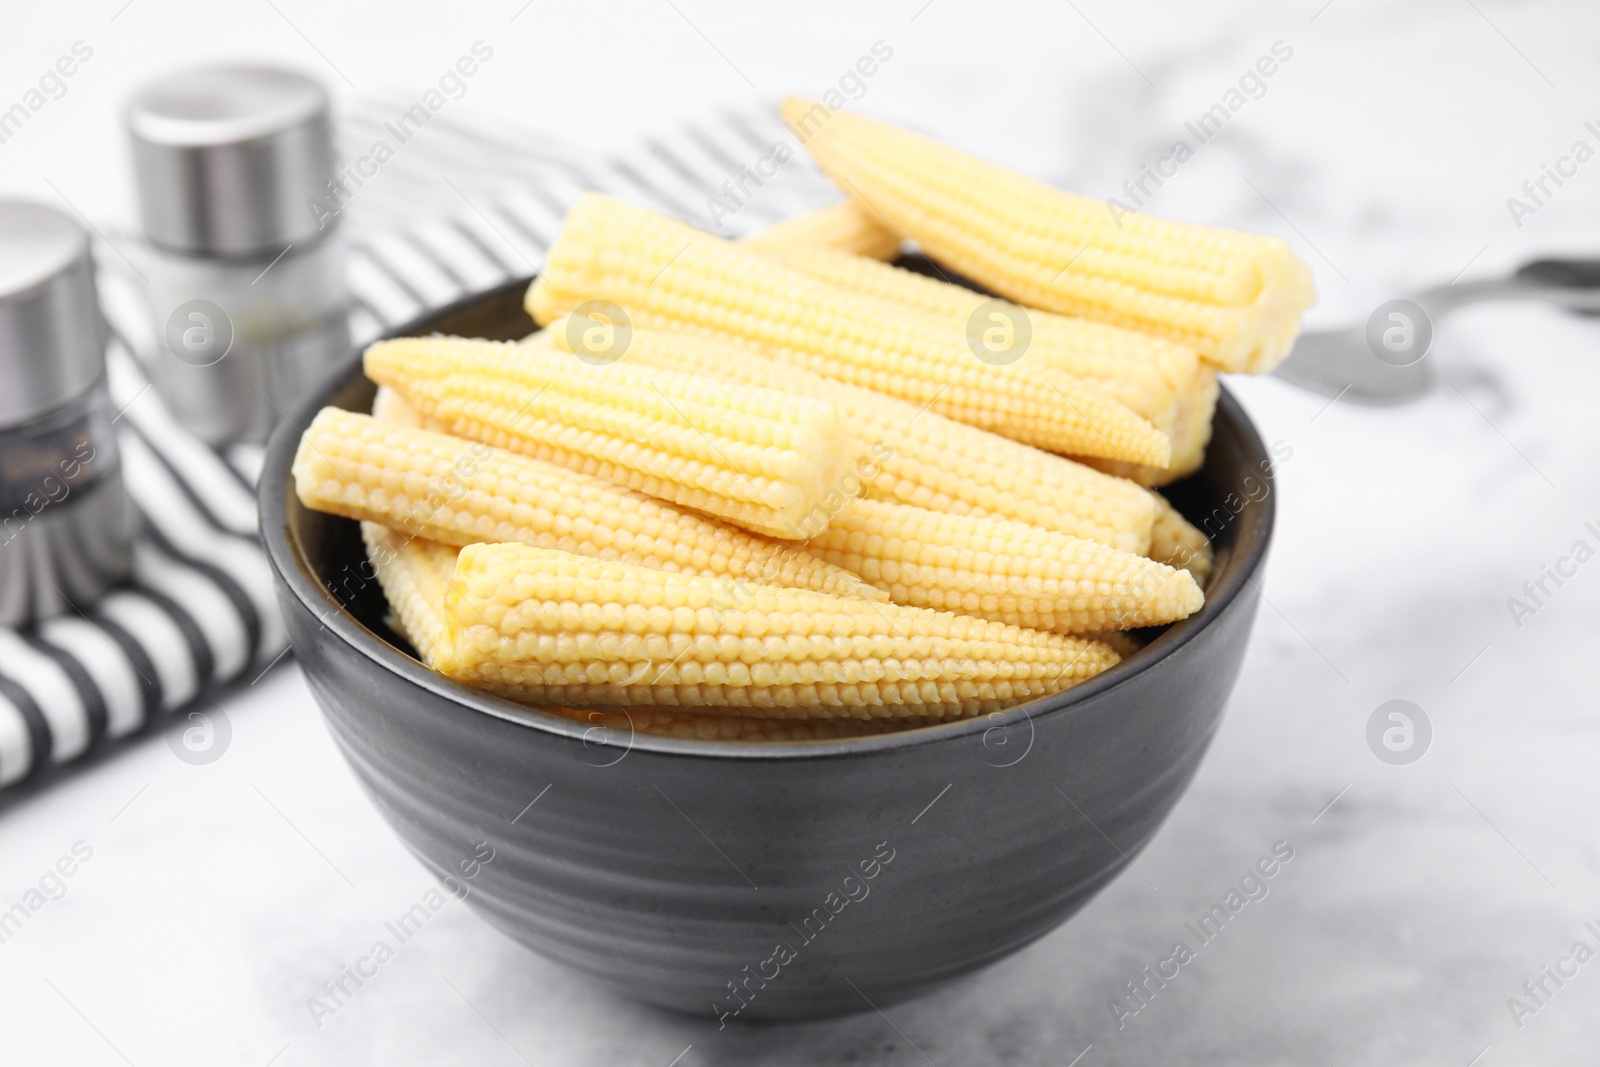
[1007,571]
[1278,314]
[1189,432]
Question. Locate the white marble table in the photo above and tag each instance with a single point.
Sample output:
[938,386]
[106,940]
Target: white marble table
[1420,898]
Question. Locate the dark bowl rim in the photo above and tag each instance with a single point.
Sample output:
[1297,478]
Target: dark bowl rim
[293,572]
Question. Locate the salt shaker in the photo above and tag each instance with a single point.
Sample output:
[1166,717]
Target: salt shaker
[245,278]
[65,520]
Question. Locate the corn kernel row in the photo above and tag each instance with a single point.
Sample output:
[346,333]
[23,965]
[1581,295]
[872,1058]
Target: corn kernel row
[551,628]
[440,488]
[753,456]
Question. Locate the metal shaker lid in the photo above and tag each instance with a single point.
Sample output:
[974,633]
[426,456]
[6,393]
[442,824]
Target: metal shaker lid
[52,340]
[227,158]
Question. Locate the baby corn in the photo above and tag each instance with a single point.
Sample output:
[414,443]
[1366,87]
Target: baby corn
[415,576]
[842,226]
[548,627]
[797,493]
[755,457]
[1177,543]
[1146,373]
[1236,298]
[1189,431]
[667,275]
[1006,571]
[918,457]
[444,489]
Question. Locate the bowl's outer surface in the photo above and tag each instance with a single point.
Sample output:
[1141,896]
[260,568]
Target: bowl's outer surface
[720,878]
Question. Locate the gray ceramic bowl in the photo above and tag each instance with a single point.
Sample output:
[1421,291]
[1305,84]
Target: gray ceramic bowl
[766,881]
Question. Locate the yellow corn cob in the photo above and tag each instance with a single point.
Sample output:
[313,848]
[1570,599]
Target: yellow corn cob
[918,457]
[547,627]
[843,226]
[1146,373]
[753,456]
[415,576]
[1234,297]
[1006,571]
[667,275]
[1190,432]
[620,725]
[440,488]
[1176,543]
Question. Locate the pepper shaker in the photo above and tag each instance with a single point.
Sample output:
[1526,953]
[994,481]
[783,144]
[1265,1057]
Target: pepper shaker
[245,280]
[65,519]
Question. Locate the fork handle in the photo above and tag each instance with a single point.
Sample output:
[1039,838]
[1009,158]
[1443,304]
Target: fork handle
[1566,273]
[1561,278]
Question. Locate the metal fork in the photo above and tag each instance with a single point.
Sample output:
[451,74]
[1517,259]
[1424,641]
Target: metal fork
[1344,363]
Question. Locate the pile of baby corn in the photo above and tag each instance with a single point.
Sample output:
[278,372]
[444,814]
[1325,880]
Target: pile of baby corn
[773,490]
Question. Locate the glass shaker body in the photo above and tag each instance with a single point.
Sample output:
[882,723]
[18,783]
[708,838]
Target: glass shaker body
[240,340]
[245,281]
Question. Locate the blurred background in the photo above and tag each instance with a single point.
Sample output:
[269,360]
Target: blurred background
[1386,149]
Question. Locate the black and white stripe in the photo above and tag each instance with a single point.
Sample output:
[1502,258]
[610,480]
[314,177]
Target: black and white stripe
[463,210]
[457,211]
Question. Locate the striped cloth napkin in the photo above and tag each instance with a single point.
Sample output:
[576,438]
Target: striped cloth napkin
[457,211]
